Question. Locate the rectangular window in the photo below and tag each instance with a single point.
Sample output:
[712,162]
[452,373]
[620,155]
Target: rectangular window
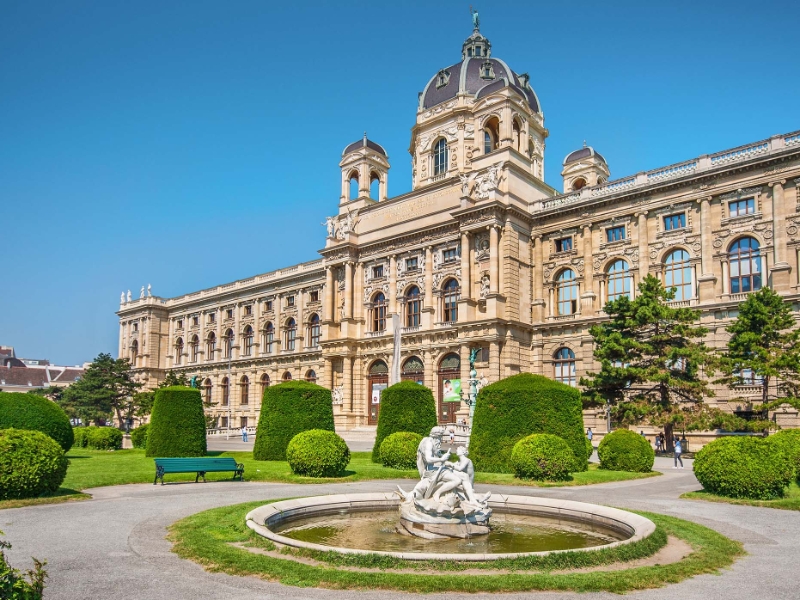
[672,222]
[377,272]
[268,305]
[248,310]
[180,323]
[136,327]
[289,300]
[564,244]
[450,255]
[314,296]
[224,422]
[740,208]
[615,234]
[411,264]
[195,320]
[242,421]
[229,313]
[212,317]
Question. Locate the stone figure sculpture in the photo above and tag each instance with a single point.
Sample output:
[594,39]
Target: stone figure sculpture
[443,504]
[149,290]
[129,295]
[329,225]
[337,394]
[122,298]
[141,293]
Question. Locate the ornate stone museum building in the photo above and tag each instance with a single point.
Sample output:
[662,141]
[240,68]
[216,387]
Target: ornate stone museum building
[481,253]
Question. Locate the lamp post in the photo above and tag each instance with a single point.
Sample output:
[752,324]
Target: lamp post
[472,395]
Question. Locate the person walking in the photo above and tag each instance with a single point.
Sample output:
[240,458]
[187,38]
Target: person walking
[244,434]
[678,451]
[589,434]
[658,443]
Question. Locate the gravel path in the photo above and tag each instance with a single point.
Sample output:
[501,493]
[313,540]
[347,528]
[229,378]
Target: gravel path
[113,546]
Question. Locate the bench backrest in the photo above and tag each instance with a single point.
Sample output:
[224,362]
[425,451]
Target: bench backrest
[195,463]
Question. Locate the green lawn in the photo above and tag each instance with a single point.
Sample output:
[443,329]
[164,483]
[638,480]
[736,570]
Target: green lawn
[95,468]
[62,495]
[791,501]
[208,537]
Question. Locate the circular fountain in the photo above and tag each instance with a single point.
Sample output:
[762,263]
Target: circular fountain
[443,518]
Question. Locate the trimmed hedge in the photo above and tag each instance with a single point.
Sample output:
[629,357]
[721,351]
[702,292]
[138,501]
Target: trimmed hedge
[788,441]
[139,436]
[405,406]
[626,450]
[31,464]
[317,453]
[177,424]
[589,448]
[287,409]
[399,450]
[80,437]
[744,467]
[518,406]
[29,411]
[542,456]
[104,438]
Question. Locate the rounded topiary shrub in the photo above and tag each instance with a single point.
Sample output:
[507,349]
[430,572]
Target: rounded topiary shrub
[177,424]
[626,450]
[743,467]
[405,406]
[399,450]
[788,441]
[30,411]
[542,456]
[518,406]
[287,409]
[317,453]
[139,436]
[104,438]
[31,464]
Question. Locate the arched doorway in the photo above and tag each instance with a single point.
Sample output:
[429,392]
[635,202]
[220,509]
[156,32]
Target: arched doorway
[378,380]
[449,388]
[413,370]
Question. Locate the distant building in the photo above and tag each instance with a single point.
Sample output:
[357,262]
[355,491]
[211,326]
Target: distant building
[23,374]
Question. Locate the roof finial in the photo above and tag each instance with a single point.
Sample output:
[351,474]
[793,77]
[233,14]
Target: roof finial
[476,21]
[584,143]
[365,138]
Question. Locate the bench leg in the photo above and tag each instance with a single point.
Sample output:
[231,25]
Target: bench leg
[199,475]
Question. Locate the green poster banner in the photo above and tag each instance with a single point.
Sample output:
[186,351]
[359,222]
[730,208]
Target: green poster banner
[451,390]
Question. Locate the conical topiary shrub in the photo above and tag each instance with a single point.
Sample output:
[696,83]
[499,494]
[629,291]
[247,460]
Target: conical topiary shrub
[177,424]
[287,409]
[518,406]
[405,406]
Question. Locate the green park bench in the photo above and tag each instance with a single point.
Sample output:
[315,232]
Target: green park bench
[200,465]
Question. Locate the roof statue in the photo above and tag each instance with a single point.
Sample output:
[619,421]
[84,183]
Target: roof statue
[476,21]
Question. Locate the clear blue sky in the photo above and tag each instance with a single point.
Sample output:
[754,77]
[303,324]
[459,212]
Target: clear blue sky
[188,144]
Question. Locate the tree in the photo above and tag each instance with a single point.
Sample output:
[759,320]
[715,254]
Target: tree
[144,401]
[764,346]
[106,388]
[652,358]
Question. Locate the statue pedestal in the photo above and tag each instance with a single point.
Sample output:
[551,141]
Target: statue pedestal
[445,519]
[441,531]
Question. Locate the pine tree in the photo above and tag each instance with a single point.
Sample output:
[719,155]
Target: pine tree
[763,348]
[652,358]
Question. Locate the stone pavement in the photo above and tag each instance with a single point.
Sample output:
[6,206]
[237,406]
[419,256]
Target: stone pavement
[113,546]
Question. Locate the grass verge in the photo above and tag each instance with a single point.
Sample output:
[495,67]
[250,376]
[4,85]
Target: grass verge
[62,495]
[207,538]
[790,501]
[96,468]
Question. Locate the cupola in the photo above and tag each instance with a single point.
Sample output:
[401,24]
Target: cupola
[584,167]
[365,172]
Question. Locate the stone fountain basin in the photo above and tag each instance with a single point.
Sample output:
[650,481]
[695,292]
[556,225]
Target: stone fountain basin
[627,525]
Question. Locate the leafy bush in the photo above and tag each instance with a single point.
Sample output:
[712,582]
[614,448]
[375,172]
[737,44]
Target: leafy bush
[33,412]
[518,406]
[405,406]
[286,410]
[626,450]
[139,436]
[589,448]
[104,438]
[177,424]
[542,456]
[744,467]
[31,464]
[399,450]
[15,585]
[317,453]
[788,441]
[80,437]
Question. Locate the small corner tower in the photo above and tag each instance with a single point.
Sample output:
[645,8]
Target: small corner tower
[584,167]
[363,164]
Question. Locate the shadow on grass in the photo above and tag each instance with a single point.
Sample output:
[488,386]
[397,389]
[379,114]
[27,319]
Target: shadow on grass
[58,497]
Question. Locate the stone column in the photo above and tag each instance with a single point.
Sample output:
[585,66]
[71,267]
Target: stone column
[494,259]
[358,291]
[171,343]
[780,268]
[348,290]
[707,281]
[330,295]
[121,352]
[538,280]
[588,296]
[466,277]
[302,329]
[278,325]
[392,284]
[641,231]
[552,307]
[429,276]
[726,282]
[236,347]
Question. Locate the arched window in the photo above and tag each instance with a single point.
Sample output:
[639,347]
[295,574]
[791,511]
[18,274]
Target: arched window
[567,292]
[745,264]
[515,135]
[491,130]
[134,352]
[226,389]
[245,384]
[619,280]
[207,385]
[374,185]
[291,333]
[269,338]
[311,376]
[578,184]
[247,340]
[228,344]
[194,348]
[450,301]
[413,370]
[314,331]
[211,345]
[440,157]
[412,307]
[564,366]
[287,376]
[678,274]
[353,185]
[264,383]
[178,351]
[378,312]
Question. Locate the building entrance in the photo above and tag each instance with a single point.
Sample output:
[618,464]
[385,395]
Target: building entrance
[449,377]
[377,381]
